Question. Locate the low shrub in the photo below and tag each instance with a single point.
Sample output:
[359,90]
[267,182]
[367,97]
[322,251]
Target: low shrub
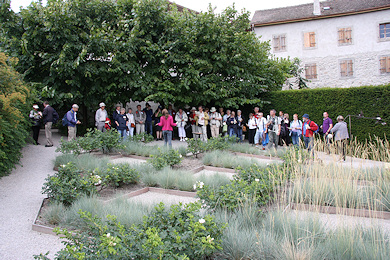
[118,174]
[68,184]
[165,157]
[84,162]
[143,137]
[196,146]
[136,148]
[179,232]
[228,160]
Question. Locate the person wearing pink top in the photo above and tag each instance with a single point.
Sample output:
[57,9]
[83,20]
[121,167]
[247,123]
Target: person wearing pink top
[166,122]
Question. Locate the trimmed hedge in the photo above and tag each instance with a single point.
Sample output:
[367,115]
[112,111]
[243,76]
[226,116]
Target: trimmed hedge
[373,101]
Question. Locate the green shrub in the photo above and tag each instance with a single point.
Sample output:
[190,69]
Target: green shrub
[84,162]
[371,100]
[143,137]
[15,105]
[228,160]
[165,157]
[68,184]
[137,148]
[179,232]
[118,174]
[196,146]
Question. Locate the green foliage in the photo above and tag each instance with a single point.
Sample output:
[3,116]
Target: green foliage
[228,160]
[93,139]
[252,185]
[83,162]
[143,137]
[87,51]
[68,184]
[176,233]
[371,100]
[165,157]
[119,174]
[196,146]
[14,109]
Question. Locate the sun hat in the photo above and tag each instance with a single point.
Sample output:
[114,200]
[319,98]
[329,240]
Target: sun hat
[193,109]
[102,105]
[306,116]
[35,106]
[213,109]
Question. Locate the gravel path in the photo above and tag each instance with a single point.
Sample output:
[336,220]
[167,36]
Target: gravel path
[20,199]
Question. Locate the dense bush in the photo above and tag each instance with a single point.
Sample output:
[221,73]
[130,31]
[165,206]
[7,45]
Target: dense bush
[69,183]
[196,146]
[118,174]
[165,157]
[179,232]
[93,139]
[373,101]
[14,110]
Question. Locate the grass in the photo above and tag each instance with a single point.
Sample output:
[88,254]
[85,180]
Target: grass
[85,162]
[250,149]
[137,148]
[228,160]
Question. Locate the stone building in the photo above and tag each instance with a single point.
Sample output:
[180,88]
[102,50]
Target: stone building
[341,43]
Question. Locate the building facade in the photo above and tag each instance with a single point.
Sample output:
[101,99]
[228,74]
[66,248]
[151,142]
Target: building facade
[341,43]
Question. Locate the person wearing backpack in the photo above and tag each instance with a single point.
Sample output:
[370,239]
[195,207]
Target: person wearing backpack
[308,130]
[273,129]
[71,116]
[50,117]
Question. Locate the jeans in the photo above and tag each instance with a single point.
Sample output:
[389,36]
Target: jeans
[122,133]
[295,138]
[232,132]
[273,139]
[167,135]
[308,142]
[239,134]
[149,127]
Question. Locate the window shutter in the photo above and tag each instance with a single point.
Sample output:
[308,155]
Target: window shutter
[343,68]
[314,71]
[348,35]
[307,71]
[350,68]
[312,39]
[341,36]
[282,42]
[276,43]
[306,38]
[383,64]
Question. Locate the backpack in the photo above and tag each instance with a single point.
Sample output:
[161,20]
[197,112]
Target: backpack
[318,128]
[65,121]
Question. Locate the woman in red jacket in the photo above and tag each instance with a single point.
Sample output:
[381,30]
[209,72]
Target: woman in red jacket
[308,129]
[166,122]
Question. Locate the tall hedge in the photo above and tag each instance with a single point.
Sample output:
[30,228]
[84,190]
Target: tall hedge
[373,101]
[14,110]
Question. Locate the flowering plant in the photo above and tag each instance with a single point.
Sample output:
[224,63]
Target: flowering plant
[165,158]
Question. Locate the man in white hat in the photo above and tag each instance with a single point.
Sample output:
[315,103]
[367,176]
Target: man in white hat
[100,117]
[215,122]
[71,116]
[36,116]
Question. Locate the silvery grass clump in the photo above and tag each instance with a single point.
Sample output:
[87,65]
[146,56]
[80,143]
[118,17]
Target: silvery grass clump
[137,148]
[83,162]
[226,159]
[128,212]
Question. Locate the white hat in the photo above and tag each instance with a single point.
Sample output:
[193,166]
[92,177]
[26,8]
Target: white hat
[35,106]
[193,108]
[213,109]
[102,105]
[75,106]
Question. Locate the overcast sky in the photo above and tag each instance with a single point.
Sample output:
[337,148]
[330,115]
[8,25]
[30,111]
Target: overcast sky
[202,5]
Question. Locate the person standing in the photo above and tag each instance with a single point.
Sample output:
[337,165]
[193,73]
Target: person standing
[130,123]
[157,115]
[326,127]
[295,130]
[35,116]
[192,119]
[240,124]
[215,122]
[50,117]
[116,113]
[308,129]
[181,121]
[224,123]
[273,129]
[166,122]
[171,111]
[252,126]
[149,119]
[261,129]
[232,124]
[202,119]
[121,123]
[71,116]
[340,130]
[284,130]
[101,117]
[140,118]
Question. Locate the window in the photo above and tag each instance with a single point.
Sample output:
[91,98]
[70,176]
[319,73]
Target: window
[346,68]
[384,63]
[384,31]
[279,42]
[311,71]
[345,36]
[309,39]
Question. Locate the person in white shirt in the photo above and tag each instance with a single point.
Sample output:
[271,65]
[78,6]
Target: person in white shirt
[215,122]
[130,123]
[181,119]
[273,129]
[252,127]
[261,126]
[100,117]
[202,119]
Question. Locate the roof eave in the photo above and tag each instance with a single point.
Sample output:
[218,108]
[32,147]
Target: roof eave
[322,16]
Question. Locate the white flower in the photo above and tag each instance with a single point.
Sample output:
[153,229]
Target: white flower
[201,184]
[186,138]
[181,156]
[201,221]
[257,180]
[209,239]
[114,244]
[108,234]
[63,165]
[267,164]
[194,186]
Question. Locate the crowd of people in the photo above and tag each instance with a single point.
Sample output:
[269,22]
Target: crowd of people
[202,123]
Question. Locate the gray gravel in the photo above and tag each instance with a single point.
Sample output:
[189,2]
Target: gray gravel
[20,199]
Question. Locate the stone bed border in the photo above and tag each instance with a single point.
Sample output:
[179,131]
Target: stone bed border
[49,230]
[363,213]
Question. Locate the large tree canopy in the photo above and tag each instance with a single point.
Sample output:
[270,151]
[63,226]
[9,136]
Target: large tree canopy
[88,51]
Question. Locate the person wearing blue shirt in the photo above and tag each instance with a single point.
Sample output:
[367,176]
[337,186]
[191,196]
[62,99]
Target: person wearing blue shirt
[71,116]
[149,118]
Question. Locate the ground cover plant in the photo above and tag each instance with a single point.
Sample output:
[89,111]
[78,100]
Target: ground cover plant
[83,162]
[226,159]
[164,158]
